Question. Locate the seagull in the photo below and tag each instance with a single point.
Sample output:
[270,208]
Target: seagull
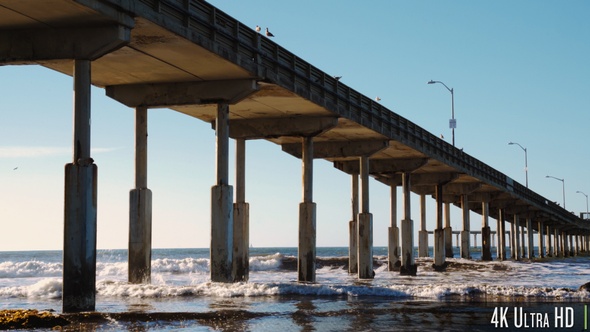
[14,169]
[268,33]
[377,98]
[441,136]
[257,28]
[337,78]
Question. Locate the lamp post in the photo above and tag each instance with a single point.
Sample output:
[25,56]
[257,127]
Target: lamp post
[563,185]
[526,167]
[452,121]
[579,192]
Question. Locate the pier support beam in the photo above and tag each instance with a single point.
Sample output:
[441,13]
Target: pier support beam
[140,208]
[448,232]
[556,244]
[486,249]
[423,233]
[531,250]
[353,227]
[365,226]
[79,252]
[393,243]
[516,249]
[466,227]
[550,244]
[408,267]
[306,254]
[222,204]
[241,239]
[501,233]
[541,242]
[439,235]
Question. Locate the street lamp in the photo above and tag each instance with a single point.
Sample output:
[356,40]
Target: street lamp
[579,192]
[526,167]
[452,121]
[563,185]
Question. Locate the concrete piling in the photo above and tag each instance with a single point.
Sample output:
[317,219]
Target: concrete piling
[365,226]
[448,231]
[408,267]
[466,227]
[222,204]
[140,208]
[393,232]
[306,254]
[541,240]
[439,233]
[486,248]
[79,251]
[516,249]
[241,215]
[501,233]
[423,233]
[531,250]
[353,227]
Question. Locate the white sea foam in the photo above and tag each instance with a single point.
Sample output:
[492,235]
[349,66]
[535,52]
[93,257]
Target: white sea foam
[265,263]
[29,269]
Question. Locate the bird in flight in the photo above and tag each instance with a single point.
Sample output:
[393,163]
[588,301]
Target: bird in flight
[14,169]
[257,28]
[268,33]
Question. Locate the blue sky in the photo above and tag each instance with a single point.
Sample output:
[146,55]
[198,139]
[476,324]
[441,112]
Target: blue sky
[519,69]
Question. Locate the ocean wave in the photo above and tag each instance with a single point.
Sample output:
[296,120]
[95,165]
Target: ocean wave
[29,269]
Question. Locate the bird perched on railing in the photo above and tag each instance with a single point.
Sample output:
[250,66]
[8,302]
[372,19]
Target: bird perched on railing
[257,28]
[268,33]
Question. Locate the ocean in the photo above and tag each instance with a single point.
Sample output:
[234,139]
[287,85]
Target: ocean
[470,295]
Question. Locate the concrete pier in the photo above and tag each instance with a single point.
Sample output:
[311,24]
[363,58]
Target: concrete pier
[448,232]
[241,214]
[530,250]
[140,208]
[79,252]
[541,240]
[365,226]
[466,227]
[423,233]
[501,233]
[439,235]
[222,204]
[353,227]
[486,249]
[550,244]
[393,231]
[408,267]
[306,254]
[516,249]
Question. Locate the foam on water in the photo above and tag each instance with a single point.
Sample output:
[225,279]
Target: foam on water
[180,277]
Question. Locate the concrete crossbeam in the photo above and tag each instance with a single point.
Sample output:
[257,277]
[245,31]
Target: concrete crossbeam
[341,149]
[182,93]
[379,166]
[89,43]
[277,127]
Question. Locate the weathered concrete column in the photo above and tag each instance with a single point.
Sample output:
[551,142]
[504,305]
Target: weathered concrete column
[79,252]
[466,227]
[408,267]
[353,227]
[365,226]
[448,232]
[241,212]
[393,241]
[486,249]
[556,244]
[541,238]
[140,208]
[518,251]
[501,230]
[439,234]
[565,244]
[306,254]
[222,204]
[550,244]
[531,249]
[577,245]
[423,233]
